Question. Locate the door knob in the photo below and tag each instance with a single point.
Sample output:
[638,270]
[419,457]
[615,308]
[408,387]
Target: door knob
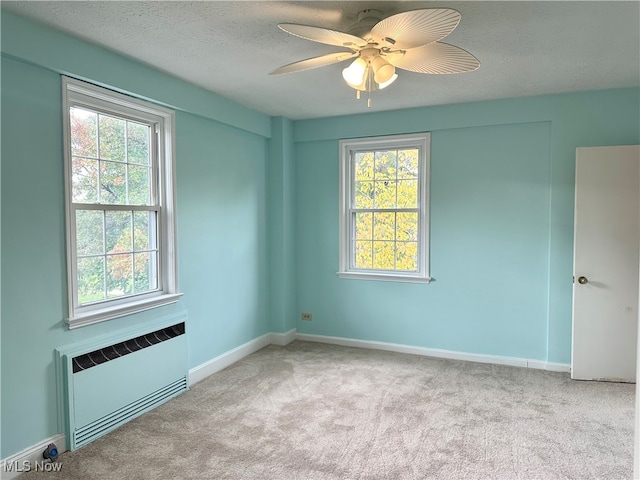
[583,280]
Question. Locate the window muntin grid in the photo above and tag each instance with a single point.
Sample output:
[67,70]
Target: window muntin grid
[114,205]
[384,209]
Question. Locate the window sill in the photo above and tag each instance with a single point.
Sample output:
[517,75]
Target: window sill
[109,313]
[384,277]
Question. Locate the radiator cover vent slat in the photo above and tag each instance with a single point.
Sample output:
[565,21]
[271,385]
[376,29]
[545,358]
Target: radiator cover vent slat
[106,354]
[110,422]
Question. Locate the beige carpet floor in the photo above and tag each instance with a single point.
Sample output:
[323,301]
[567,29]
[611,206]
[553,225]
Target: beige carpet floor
[314,411]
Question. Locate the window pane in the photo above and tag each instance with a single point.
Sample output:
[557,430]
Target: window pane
[119,275]
[383,255]
[363,166]
[112,139]
[84,179]
[363,195]
[139,193]
[90,279]
[89,232]
[364,226]
[84,132]
[407,193]
[384,226]
[143,234]
[144,279]
[118,231]
[137,143]
[113,182]
[363,256]
[408,163]
[385,165]
[153,270]
[407,226]
[385,194]
[407,256]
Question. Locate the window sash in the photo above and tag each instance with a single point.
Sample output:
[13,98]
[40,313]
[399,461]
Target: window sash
[154,230]
[155,267]
[353,210]
[97,106]
[395,241]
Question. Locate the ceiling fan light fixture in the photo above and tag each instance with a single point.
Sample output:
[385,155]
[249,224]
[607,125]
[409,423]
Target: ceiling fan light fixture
[369,76]
[369,81]
[382,70]
[388,82]
[354,74]
[362,85]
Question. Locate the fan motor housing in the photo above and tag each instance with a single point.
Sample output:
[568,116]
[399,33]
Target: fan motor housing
[366,20]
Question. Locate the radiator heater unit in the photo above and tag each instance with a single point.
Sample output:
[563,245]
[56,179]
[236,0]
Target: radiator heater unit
[105,386]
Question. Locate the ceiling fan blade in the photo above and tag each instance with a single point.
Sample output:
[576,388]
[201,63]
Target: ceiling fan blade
[435,58]
[314,62]
[323,35]
[416,27]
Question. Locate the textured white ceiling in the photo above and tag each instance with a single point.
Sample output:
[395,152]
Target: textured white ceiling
[525,48]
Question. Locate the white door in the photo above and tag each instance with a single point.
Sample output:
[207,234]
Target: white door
[605,266]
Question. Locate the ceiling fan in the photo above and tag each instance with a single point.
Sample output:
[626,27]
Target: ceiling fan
[408,40]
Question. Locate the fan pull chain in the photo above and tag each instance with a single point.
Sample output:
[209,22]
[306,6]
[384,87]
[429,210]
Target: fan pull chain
[370,84]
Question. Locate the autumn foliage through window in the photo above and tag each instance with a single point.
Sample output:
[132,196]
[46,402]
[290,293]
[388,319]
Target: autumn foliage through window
[386,210]
[116,248]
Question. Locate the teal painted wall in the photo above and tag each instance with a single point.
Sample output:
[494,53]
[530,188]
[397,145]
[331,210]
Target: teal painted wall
[502,176]
[222,240]
[221,187]
[281,226]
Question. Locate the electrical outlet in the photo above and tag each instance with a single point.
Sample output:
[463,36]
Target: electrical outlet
[306,316]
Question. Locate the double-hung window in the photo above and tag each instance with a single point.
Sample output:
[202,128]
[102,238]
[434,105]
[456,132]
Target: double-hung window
[119,178]
[384,208]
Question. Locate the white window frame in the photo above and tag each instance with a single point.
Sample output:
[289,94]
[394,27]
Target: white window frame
[348,147]
[82,94]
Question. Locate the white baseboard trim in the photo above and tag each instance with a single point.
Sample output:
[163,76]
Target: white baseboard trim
[214,365]
[549,366]
[283,339]
[435,352]
[31,458]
